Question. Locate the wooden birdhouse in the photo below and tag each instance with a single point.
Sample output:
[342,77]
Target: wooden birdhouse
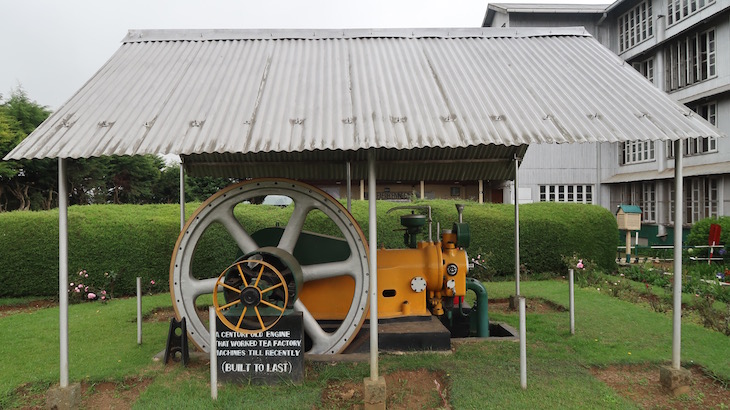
[628,217]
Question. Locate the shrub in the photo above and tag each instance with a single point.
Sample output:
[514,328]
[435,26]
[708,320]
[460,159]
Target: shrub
[136,240]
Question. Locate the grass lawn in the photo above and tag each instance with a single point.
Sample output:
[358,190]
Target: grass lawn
[481,374]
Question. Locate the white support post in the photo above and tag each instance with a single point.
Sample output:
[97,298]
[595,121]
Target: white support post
[523,345]
[362,189]
[571,303]
[677,291]
[423,189]
[139,310]
[63,269]
[182,196]
[349,187]
[373,268]
[481,191]
[517,229]
[213,354]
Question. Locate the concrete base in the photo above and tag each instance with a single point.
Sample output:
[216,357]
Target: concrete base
[63,398]
[375,393]
[676,381]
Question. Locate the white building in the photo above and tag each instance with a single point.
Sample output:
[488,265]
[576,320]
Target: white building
[683,48]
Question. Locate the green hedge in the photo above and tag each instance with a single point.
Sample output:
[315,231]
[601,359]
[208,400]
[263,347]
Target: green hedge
[137,240]
[701,231]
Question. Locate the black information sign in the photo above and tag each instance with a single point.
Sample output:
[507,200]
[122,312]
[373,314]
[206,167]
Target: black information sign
[268,357]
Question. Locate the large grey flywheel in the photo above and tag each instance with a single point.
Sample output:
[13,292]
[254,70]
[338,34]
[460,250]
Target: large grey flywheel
[186,286]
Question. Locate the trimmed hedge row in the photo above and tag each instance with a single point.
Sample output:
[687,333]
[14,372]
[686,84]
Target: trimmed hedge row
[137,240]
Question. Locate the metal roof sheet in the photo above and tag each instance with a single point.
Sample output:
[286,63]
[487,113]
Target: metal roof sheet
[209,92]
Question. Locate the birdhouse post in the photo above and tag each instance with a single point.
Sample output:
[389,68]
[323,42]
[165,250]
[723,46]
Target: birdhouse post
[628,218]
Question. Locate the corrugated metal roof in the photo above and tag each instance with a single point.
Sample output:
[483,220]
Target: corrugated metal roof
[208,92]
[549,8]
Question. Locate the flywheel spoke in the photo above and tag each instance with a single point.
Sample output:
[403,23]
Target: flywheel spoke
[234,228]
[313,329]
[294,226]
[230,287]
[329,270]
[226,306]
[240,272]
[240,319]
[271,305]
[261,321]
[280,284]
[202,286]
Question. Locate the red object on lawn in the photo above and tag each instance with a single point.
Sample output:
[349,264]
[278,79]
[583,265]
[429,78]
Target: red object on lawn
[713,239]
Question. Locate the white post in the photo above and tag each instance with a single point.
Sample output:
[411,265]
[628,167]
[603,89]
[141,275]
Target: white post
[423,189]
[523,346]
[213,354]
[349,187]
[571,290]
[677,292]
[517,230]
[182,196]
[63,269]
[481,191]
[139,310]
[362,190]
[373,268]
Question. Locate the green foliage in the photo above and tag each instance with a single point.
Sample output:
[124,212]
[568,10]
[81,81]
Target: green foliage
[133,240]
[701,232]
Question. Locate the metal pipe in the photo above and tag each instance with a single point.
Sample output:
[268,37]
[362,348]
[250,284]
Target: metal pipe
[373,268]
[139,310]
[481,191]
[482,306]
[571,304]
[349,187]
[517,230]
[523,345]
[182,196]
[63,269]
[677,291]
[362,190]
[423,190]
[213,354]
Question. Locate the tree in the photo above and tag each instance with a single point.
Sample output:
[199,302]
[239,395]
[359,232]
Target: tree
[19,116]
[131,179]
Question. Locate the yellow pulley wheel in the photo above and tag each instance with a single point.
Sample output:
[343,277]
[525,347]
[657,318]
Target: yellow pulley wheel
[256,295]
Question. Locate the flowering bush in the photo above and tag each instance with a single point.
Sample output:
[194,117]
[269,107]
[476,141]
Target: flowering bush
[82,291]
[151,288]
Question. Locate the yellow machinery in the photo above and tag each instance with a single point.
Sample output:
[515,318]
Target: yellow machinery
[323,276]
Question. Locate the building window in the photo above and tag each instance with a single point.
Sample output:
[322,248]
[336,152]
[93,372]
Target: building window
[690,60]
[699,145]
[646,68]
[567,193]
[643,195]
[680,9]
[455,191]
[633,152]
[701,199]
[635,26]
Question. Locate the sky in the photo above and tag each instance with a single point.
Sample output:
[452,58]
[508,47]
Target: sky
[52,47]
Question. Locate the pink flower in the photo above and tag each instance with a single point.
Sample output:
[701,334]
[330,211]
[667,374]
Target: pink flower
[152,282]
[72,284]
[81,285]
[86,275]
[77,290]
[103,292]
[86,289]
[103,298]
[91,296]
[81,273]
[580,264]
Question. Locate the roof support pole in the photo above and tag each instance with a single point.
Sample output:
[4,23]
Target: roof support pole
[423,189]
[481,191]
[182,196]
[349,187]
[63,268]
[677,291]
[517,229]
[373,268]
